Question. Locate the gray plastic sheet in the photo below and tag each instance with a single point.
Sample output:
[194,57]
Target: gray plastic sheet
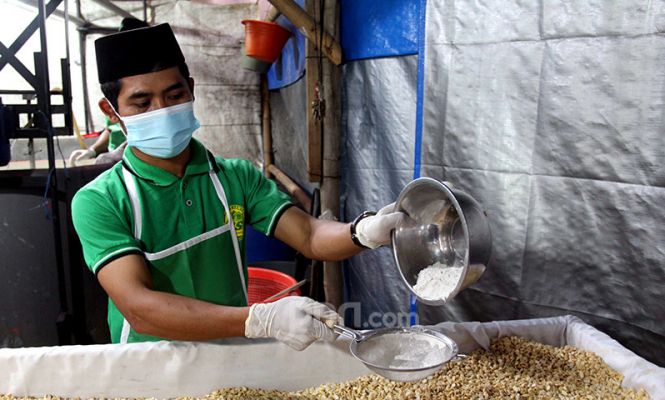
[552,115]
[377,162]
[288,110]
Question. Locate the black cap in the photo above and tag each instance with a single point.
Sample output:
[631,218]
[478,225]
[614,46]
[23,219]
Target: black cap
[136,52]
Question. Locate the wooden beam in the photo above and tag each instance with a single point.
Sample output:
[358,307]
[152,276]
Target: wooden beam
[307,26]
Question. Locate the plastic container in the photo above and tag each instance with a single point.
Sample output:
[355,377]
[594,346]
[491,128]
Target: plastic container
[262,248]
[264,40]
[254,64]
[264,283]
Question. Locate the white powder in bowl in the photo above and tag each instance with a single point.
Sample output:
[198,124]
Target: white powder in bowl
[437,281]
[404,350]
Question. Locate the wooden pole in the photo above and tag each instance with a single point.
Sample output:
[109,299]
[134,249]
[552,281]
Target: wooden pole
[330,92]
[314,121]
[265,126]
[307,25]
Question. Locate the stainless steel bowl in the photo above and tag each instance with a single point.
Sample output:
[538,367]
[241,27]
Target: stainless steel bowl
[443,225]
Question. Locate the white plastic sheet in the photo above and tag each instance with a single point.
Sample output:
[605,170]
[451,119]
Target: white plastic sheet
[172,369]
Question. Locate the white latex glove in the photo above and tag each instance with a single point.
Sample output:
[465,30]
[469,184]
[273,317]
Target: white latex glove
[81,154]
[112,156]
[295,321]
[375,231]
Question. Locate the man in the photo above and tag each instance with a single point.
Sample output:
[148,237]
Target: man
[163,228]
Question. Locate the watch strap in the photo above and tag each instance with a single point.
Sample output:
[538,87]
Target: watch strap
[354,236]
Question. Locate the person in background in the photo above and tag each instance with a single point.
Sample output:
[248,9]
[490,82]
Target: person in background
[163,230]
[109,139]
[112,137]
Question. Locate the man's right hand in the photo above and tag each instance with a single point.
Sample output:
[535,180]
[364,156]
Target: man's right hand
[295,321]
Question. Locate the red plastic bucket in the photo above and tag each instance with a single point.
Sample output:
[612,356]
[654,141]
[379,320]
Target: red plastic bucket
[264,283]
[264,40]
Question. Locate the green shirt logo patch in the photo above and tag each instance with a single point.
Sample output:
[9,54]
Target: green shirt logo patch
[238,214]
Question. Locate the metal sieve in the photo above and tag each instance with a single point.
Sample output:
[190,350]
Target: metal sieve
[401,354]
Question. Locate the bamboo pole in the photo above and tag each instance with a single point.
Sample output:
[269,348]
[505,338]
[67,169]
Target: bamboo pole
[308,27]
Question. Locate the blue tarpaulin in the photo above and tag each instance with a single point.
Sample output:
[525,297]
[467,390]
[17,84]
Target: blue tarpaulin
[372,29]
[369,29]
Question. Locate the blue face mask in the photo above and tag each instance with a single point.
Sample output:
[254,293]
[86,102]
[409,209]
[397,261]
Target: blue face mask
[162,133]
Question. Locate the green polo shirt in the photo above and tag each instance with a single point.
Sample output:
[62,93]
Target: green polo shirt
[174,211]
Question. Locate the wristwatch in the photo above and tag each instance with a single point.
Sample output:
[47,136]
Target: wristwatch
[354,237]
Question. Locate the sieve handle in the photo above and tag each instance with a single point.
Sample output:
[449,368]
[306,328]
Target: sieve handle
[348,332]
